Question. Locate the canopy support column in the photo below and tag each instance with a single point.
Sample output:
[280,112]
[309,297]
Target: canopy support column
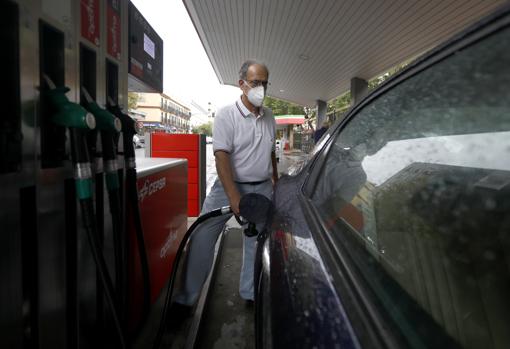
[359,89]
[321,113]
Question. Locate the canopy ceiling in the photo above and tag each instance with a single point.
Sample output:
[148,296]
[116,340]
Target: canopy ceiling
[314,47]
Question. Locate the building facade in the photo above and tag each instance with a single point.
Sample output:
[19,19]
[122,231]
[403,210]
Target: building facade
[163,113]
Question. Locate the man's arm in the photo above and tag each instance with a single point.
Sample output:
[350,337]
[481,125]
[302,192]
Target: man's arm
[224,170]
[275,167]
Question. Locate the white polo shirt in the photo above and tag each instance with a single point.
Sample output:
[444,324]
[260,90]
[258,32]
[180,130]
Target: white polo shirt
[249,140]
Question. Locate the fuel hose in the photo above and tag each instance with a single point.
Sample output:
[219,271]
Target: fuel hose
[128,131]
[79,121]
[83,178]
[254,209]
[169,291]
[109,125]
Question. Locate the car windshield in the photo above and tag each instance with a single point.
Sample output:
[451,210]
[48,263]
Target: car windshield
[415,191]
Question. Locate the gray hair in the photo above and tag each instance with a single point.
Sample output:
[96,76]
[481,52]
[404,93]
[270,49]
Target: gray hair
[243,72]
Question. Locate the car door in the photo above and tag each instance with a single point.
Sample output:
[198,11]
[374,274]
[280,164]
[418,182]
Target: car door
[409,200]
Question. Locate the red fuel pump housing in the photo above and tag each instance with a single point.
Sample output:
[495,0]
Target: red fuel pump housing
[162,196]
[193,148]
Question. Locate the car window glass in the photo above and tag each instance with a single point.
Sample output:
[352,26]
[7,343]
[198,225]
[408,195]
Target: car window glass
[416,189]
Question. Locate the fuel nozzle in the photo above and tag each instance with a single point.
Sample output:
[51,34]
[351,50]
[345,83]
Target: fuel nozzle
[105,120]
[254,209]
[68,114]
[78,120]
[129,129]
[128,124]
[110,126]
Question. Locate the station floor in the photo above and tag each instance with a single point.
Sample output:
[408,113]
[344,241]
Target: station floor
[228,321]
[221,319]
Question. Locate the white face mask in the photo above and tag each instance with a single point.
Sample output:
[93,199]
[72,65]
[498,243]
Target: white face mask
[256,95]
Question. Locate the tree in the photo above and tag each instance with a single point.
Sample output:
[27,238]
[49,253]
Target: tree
[133,99]
[205,129]
[340,103]
[374,83]
[280,107]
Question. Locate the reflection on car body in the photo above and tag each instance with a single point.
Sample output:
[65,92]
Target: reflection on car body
[395,233]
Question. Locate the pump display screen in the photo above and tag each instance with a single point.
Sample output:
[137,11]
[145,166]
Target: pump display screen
[148,46]
[145,52]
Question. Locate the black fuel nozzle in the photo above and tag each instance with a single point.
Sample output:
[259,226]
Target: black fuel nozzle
[254,209]
[128,124]
[251,230]
[129,129]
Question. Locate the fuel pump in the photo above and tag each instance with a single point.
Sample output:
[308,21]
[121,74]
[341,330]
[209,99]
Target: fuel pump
[78,120]
[128,131]
[109,126]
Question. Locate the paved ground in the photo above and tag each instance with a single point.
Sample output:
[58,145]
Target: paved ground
[227,320]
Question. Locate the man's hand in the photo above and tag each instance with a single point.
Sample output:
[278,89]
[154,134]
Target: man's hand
[275,168]
[234,199]
[274,179]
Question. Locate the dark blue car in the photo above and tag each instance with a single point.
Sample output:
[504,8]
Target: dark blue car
[395,233]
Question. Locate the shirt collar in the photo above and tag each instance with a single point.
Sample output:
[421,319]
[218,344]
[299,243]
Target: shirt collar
[244,111]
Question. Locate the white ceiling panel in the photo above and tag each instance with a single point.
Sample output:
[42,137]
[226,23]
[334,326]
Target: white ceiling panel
[314,47]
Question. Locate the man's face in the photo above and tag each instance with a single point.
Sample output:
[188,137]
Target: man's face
[257,75]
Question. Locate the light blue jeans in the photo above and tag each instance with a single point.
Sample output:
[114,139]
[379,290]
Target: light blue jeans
[202,242]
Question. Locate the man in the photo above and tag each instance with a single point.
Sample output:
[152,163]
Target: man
[320,132]
[243,144]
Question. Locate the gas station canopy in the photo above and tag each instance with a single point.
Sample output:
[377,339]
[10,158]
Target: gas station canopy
[314,48]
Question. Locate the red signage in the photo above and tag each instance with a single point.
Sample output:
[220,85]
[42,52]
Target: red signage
[90,20]
[113,28]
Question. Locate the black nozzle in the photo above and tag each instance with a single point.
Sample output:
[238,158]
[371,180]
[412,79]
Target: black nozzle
[128,124]
[255,208]
[129,129]
[251,230]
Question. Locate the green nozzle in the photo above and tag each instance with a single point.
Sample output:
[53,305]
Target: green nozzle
[83,188]
[105,120]
[112,181]
[69,114]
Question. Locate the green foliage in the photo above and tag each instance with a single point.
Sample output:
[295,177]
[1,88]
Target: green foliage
[280,107]
[374,83]
[205,129]
[133,98]
[340,104]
